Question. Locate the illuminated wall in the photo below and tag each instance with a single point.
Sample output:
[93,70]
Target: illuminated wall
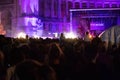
[94,20]
[29,21]
[29,6]
[55,14]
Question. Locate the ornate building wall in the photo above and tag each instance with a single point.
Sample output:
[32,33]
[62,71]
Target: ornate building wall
[60,15]
[54,14]
[8,10]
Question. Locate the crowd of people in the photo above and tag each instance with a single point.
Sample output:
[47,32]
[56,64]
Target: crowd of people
[58,59]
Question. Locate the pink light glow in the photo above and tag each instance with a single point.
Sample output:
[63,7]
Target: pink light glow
[97,26]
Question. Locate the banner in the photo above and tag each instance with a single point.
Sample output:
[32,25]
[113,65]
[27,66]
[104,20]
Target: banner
[111,35]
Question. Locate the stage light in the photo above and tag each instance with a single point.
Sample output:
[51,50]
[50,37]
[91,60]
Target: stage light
[55,35]
[70,35]
[30,21]
[21,35]
[49,33]
[90,36]
[43,37]
[35,36]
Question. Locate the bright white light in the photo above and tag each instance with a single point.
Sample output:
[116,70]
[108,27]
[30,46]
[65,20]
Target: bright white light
[49,33]
[46,37]
[30,21]
[70,35]
[90,36]
[56,35]
[35,36]
[21,35]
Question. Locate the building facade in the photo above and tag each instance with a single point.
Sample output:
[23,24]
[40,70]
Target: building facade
[54,15]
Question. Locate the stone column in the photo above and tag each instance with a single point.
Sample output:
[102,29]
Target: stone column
[52,8]
[71,21]
[73,4]
[39,8]
[67,10]
[0,17]
[45,11]
[80,5]
[59,8]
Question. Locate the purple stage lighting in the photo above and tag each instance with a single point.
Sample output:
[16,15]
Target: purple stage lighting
[30,6]
[32,24]
[97,26]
